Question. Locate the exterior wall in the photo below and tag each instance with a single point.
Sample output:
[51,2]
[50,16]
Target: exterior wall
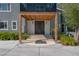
[52,26]
[23,25]
[47,27]
[11,16]
[59,22]
[30,27]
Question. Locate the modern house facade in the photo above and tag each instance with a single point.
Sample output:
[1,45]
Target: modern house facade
[31,18]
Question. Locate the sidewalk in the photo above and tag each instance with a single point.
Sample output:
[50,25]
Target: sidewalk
[13,48]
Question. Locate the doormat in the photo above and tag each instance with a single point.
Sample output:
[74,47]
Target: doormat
[40,42]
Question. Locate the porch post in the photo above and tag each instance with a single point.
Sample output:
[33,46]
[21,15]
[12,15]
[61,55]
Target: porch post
[20,29]
[56,27]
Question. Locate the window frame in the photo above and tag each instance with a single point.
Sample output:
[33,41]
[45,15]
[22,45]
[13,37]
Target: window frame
[13,25]
[6,10]
[7,25]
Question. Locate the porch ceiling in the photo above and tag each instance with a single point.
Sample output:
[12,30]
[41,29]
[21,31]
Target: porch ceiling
[38,15]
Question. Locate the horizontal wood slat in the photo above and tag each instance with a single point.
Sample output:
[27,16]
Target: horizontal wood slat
[38,15]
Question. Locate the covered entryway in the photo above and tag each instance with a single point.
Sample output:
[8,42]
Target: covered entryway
[42,16]
[39,27]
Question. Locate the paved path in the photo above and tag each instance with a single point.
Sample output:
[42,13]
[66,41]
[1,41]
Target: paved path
[33,38]
[13,48]
[39,37]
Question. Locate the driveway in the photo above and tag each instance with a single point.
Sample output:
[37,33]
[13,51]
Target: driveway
[13,48]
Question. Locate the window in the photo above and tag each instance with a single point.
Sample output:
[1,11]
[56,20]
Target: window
[14,25]
[4,7]
[3,25]
[38,7]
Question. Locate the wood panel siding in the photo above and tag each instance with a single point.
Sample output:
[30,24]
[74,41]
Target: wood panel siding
[38,15]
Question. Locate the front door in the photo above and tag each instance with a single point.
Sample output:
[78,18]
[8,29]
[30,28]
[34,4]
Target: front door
[39,27]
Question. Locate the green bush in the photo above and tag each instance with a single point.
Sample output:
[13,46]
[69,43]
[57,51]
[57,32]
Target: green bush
[25,36]
[4,35]
[66,40]
[11,36]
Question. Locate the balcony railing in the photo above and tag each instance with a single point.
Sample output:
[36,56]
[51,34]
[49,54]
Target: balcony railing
[38,7]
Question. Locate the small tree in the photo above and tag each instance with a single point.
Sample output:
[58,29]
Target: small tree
[71,15]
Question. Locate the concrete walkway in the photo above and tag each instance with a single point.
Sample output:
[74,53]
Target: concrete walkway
[31,40]
[13,48]
[39,37]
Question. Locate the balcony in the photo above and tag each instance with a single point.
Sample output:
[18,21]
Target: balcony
[38,7]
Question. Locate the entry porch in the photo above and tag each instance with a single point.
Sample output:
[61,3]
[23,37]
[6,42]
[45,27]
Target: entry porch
[38,17]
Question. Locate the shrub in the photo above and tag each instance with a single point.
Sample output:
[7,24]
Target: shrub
[66,40]
[11,36]
[25,36]
[4,35]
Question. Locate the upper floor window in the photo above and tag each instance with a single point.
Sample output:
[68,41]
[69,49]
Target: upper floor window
[5,7]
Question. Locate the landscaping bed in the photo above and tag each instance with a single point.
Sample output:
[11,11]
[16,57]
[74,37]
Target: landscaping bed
[12,36]
[67,40]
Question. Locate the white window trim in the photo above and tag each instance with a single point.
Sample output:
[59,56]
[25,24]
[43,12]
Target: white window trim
[7,25]
[6,10]
[12,25]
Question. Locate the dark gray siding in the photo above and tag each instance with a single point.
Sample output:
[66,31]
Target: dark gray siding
[38,7]
[52,26]
[10,16]
[59,22]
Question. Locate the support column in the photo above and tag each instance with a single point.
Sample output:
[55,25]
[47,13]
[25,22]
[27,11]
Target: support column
[56,27]
[20,29]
